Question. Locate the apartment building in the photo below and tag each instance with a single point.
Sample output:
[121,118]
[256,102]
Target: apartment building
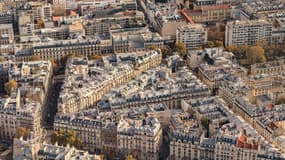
[248,32]
[78,94]
[58,49]
[164,18]
[24,106]
[124,19]
[4,67]
[87,130]
[142,136]
[192,35]
[41,11]
[6,34]
[104,8]
[276,67]
[33,149]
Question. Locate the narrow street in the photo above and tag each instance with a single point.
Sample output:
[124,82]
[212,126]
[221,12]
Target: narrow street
[51,106]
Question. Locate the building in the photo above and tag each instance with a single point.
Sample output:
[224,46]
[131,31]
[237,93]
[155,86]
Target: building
[192,35]
[58,49]
[24,106]
[142,136]
[124,19]
[88,130]
[164,18]
[270,68]
[105,8]
[210,13]
[79,94]
[6,34]
[33,149]
[248,32]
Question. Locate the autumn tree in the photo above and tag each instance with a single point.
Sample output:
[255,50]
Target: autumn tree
[218,43]
[96,57]
[40,23]
[66,137]
[35,58]
[153,47]
[209,44]
[255,54]
[10,86]
[180,48]
[129,157]
[281,100]
[165,51]
[217,33]
[22,132]
[2,59]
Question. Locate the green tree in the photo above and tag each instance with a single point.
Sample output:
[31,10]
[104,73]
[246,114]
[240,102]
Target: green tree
[22,132]
[66,137]
[205,122]
[180,48]
[35,58]
[255,54]
[10,86]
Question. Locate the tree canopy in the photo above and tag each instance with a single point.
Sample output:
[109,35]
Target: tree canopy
[281,100]
[22,132]
[2,59]
[255,54]
[66,137]
[10,86]
[205,122]
[96,57]
[180,48]
[35,58]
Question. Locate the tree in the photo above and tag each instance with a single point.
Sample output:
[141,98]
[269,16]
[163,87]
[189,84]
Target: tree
[2,59]
[96,57]
[205,122]
[40,23]
[22,132]
[209,44]
[66,137]
[153,47]
[206,125]
[218,43]
[35,58]
[71,55]
[180,48]
[281,100]
[129,157]
[255,54]
[165,51]
[217,33]
[10,86]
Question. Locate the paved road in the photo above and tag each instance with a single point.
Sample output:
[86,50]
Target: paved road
[51,106]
